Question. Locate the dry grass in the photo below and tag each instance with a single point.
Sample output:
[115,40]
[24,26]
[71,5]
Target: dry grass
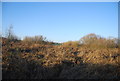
[46,61]
[71,44]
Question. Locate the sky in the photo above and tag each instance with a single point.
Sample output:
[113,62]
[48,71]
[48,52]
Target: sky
[60,0]
[61,21]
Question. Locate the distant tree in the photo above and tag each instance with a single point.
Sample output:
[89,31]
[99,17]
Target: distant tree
[10,35]
[89,39]
[93,40]
[38,39]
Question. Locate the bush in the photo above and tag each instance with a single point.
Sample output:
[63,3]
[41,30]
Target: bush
[35,39]
[96,41]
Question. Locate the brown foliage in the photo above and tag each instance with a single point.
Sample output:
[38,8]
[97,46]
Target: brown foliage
[35,39]
[22,60]
[71,44]
[96,41]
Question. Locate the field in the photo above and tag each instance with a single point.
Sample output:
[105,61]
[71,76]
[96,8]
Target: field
[21,60]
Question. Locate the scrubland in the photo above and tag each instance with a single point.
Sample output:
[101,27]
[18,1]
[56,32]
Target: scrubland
[44,60]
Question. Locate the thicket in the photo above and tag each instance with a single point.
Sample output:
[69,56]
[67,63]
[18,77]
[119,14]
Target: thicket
[35,39]
[95,41]
[91,40]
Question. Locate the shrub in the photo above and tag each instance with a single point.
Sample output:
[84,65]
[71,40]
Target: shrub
[35,39]
[96,41]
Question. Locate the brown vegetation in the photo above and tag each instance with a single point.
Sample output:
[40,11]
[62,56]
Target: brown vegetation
[70,60]
[96,41]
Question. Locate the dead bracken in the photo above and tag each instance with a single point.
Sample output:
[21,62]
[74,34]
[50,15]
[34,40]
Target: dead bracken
[25,60]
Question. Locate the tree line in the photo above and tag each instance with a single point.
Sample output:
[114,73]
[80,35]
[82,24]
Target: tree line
[90,40]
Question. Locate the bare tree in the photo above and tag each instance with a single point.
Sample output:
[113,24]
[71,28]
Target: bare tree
[88,39]
[94,40]
[10,35]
